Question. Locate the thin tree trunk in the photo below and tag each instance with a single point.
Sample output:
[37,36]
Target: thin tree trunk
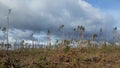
[32,43]
[114,40]
[106,38]
[63,39]
[49,41]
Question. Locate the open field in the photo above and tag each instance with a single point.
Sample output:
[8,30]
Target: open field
[59,34]
[108,57]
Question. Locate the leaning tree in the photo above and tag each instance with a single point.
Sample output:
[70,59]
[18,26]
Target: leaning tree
[61,29]
[74,30]
[32,38]
[101,34]
[7,34]
[81,30]
[48,38]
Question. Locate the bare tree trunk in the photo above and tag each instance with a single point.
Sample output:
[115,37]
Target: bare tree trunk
[82,38]
[63,39]
[48,42]
[32,43]
[106,38]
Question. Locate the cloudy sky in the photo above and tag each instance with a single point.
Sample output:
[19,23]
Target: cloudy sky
[37,16]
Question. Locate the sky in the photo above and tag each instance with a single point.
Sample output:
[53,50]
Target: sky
[37,16]
[110,7]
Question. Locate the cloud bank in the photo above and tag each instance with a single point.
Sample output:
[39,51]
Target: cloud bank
[38,16]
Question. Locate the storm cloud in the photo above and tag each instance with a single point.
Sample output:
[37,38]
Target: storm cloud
[40,15]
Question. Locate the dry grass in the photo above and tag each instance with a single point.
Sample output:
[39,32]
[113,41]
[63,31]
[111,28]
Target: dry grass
[108,57]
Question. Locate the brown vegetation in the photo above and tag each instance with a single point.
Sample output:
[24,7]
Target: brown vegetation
[68,57]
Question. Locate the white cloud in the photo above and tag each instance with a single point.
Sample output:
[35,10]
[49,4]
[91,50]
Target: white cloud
[39,15]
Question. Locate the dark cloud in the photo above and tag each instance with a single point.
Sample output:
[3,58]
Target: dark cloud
[41,15]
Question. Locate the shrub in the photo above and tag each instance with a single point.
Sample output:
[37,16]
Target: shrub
[66,49]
